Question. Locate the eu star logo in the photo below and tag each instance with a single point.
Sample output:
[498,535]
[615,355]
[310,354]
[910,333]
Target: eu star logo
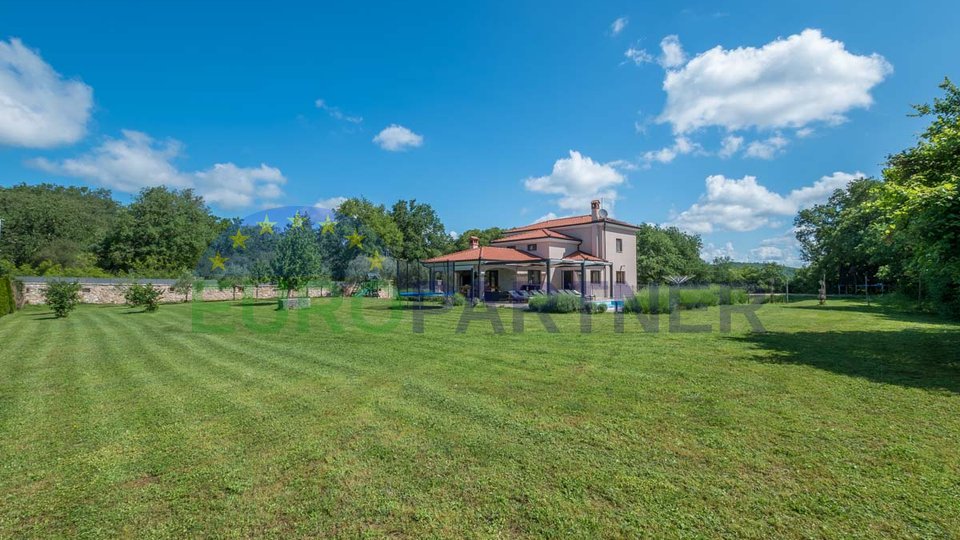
[297,220]
[266,226]
[376,261]
[328,226]
[239,240]
[355,240]
[218,261]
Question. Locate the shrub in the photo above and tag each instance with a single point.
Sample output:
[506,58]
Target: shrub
[663,301]
[62,296]
[457,300]
[555,303]
[143,295]
[7,303]
[595,307]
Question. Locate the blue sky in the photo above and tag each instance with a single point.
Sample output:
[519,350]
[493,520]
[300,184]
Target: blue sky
[721,120]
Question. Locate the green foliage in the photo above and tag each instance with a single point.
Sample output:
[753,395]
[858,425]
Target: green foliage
[554,303]
[486,236]
[184,284]
[163,232]
[143,295]
[62,296]
[422,232]
[7,303]
[53,223]
[458,300]
[664,299]
[663,252]
[297,259]
[376,218]
[904,230]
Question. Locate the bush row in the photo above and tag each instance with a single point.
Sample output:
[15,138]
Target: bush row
[661,299]
[563,303]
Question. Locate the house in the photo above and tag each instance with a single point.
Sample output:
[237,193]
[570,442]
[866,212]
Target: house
[593,254]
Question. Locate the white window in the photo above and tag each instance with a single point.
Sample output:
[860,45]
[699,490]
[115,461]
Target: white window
[533,277]
[595,276]
[621,276]
[619,245]
[531,247]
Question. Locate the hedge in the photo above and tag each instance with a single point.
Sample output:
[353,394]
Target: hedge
[649,301]
[7,304]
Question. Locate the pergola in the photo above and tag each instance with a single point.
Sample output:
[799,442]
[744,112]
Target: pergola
[477,260]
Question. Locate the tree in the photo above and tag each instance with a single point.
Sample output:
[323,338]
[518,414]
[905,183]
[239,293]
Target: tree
[839,237]
[376,218]
[62,297]
[297,259]
[421,229]
[919,201]
[662,252]
[143,295]
[54,223]
[162,232]
[486,236]
[260,274]
[184,284]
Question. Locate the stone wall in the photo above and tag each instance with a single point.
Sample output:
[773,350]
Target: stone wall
[105,292]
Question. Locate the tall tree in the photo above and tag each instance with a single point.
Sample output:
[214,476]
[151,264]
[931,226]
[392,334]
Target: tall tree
[163,232]
[55,224]
[376,219]
[422,231]
[485,235]
[920,202]
[665,251]
[297,259]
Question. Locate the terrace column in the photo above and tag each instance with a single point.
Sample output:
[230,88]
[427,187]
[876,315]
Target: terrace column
[548,276]
[583,282]
[611,281]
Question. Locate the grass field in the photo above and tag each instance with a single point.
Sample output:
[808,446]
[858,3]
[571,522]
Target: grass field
[842,421]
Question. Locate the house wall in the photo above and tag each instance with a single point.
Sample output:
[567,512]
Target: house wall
[626,260]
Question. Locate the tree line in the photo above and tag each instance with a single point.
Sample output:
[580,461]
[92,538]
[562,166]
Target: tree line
[902,230]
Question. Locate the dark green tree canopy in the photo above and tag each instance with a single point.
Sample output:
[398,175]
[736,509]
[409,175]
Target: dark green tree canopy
[162,232]
[59,224]
[663,252]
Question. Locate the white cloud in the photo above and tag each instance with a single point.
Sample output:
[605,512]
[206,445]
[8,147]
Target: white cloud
[712,251]
[788,82]
[618,25]
[745,205]
[330,204]
[638,56]
[396,138]
[803,133]
[671,52]
[336,113]
[38,108]
[783,249]
[546,217]
[730,145]
[681,146]
[578,180]
[136,161]
[766,149]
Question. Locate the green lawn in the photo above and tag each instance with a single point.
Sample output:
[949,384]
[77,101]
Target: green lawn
[841,421]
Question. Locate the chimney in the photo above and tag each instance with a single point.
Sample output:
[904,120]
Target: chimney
[474,242]
[595,209]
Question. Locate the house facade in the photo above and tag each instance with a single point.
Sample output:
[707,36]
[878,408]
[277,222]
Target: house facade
[592,254]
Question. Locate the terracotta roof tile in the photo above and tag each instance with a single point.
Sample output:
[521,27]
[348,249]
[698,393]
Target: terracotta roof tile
[581,256]
[486,253]
[566,222]
[533,234]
